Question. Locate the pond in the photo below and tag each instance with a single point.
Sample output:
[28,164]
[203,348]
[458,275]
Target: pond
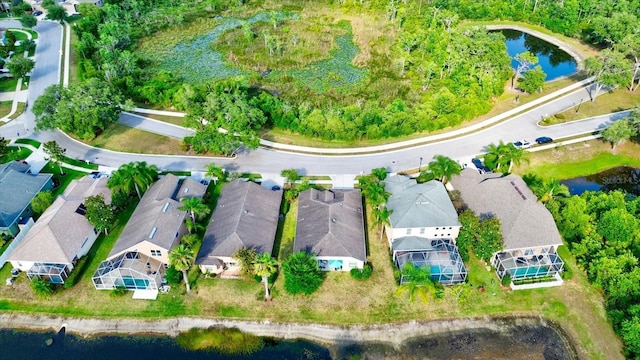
[514,338]
[554,62]
[622,177]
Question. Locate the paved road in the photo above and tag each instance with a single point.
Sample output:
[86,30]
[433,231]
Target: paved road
[265,160]
[45,73]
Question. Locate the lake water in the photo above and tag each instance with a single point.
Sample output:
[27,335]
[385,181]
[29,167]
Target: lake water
[623,178]
[515,340]
[554,61]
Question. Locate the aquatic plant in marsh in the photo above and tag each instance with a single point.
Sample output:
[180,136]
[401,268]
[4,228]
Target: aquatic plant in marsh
[196,61]
[223,340]
[335,72]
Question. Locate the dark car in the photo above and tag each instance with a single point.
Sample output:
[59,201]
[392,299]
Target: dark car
[480,166]
[544,140]
[37,13]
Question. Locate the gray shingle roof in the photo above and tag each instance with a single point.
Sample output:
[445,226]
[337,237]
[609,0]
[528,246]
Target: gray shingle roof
[17,189]
[158,209]
[59,233]
[419,205]
[246,216]
[330,223]
[525,221]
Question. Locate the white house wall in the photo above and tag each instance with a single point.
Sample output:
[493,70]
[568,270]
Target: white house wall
[440,232]
[348,263]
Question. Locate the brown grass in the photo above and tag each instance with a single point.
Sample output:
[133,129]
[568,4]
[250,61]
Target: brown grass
[616,100]
[123,138]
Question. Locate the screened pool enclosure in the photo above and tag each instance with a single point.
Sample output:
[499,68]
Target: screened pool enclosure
[131,271]
[528,263]
[439,256]
[51,272]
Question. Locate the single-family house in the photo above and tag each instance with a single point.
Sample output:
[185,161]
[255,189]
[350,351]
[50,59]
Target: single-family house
[246,215]
[330,225]
[531,238]
[423,227]
[17,189]
[141,253]
[62,234]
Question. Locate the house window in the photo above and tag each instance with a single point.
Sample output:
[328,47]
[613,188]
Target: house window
[156,253]
[84,242]
[421,230]
[408,231]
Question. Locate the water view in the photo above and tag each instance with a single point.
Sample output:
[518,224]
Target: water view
[509,339]
[623,178]
[554,62]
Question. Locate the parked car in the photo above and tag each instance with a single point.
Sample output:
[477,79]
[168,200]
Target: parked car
[37,13]
[544,140]
[522,144]
[480,166]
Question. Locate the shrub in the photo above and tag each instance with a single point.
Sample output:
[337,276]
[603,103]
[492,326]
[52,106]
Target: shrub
[41,288]
[301,274]
[173,276]
[363,274]
[506,280]
[119,291]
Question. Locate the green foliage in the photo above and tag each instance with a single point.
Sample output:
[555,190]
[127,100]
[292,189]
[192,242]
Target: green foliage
[443,168]
[118,291]
[227,341]
[301,274]
[503,156]
[84,109]
[619,132]
[482,236]
[415,281]
[290,176]
[98,213]
[363,274]
[28,20]
[181,258]
[172,275]
[42,201]
[56,12]
[134,176]
[506,280]
[19,10]
[4,146]
[19,66]
[264,266]
[246,258]
[532,80]
[41,288]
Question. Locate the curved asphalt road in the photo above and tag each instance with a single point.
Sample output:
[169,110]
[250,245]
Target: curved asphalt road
[263,160]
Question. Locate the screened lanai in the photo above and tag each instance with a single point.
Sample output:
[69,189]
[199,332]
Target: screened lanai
[528,263]
[131,270]
[440,256]
[54,273]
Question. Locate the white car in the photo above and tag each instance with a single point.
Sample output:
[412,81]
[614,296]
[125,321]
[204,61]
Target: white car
[522,144]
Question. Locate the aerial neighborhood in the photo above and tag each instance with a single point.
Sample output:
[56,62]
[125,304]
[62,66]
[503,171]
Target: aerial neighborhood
[323,163]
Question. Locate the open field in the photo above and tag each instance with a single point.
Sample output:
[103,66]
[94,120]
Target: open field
[122,138]
[613,101]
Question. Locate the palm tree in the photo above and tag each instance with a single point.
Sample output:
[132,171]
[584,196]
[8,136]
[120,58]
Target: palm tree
[192,226]
[41,288]
[190,240]
[215,173]
[264,266]
[444,168]
[376,193]
[381,216]
[503,156]
[195,207]
[379,173]
[291,176]
[181,258]
[417,282]
[133,176]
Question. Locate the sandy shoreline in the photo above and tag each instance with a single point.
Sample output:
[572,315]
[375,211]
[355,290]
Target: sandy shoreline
[393,334]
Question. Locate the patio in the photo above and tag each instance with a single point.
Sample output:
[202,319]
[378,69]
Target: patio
[441,258]
[131,270]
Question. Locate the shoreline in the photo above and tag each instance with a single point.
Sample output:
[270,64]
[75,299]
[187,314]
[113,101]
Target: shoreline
[394,334]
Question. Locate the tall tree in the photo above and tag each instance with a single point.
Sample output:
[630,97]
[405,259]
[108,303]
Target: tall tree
[246,258]
[609,70]
[618,132]
[195,207]
[444,168]
[381,217]
[630,47]
[19,66]
[182,258]
[265,266]
[28,20]
[136,176]
[533,80]
[503,156]
[99,213]
[525,61]
[55,152]
[56,12]
[4,146]
[84,109]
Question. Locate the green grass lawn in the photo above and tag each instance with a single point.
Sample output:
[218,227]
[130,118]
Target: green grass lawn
[8,84]
[62,180]
[5,108]
[27,141]
[15,153]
